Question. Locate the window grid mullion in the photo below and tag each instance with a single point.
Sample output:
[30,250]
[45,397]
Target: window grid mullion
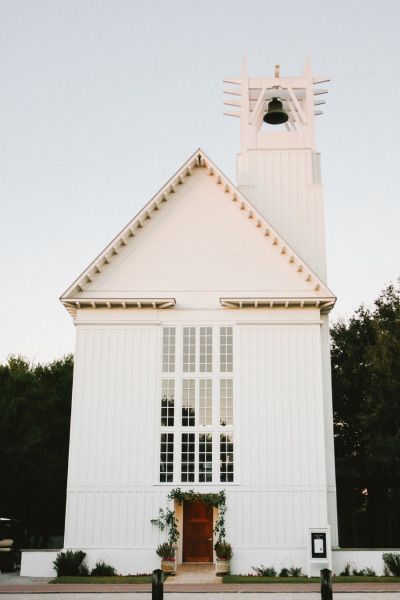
[197,351]
[196,457]
[177,428]
[197,402]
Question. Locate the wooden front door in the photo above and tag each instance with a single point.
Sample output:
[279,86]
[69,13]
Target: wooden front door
[197,532]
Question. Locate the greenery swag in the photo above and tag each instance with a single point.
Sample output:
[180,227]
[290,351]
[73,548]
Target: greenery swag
[167,520]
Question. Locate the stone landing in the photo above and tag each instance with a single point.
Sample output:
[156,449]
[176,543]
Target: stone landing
[194,573]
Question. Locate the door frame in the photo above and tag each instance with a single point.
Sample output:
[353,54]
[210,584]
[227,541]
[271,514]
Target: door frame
[179,517]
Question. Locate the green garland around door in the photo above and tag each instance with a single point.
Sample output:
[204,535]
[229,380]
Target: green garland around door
[167,520]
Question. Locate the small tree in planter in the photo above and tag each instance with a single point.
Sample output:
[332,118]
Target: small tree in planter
[223,551]
[166,552]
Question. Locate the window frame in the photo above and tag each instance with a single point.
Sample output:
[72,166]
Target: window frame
[215,428]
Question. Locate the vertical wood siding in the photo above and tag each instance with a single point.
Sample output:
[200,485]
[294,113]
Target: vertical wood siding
[280,490]
[282,186]
[113,418]
[280,406]
[114,518]
[112,433]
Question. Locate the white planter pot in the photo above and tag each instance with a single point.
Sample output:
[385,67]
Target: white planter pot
[168,566]
[222,567]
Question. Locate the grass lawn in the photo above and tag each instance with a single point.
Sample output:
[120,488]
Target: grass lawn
[255,579]
[336,579]
[112,580]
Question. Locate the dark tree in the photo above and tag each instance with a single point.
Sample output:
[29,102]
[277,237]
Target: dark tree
[366,401]
[35,405]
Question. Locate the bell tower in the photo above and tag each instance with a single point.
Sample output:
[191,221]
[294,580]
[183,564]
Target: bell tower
[278,168]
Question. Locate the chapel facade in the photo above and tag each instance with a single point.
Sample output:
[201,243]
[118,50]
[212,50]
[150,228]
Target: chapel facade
[202,355]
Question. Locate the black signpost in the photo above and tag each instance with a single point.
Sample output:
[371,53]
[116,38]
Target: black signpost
[157,585]
[326,584]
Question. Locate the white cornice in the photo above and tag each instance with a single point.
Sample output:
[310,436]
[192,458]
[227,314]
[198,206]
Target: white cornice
[323,304]
[73,304]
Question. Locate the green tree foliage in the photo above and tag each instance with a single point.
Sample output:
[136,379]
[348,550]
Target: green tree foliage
[366,399]
[35,405]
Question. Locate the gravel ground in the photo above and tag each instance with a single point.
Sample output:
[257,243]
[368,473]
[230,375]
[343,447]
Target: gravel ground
[16,579]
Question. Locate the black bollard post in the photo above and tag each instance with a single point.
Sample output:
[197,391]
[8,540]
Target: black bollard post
[326,584]
[157,585]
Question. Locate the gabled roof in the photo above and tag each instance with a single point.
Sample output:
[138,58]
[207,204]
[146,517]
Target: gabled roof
[199,159]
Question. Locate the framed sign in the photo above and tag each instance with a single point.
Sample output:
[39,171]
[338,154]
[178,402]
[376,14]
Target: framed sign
[318,545]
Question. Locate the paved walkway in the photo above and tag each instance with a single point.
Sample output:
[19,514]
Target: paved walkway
[197,596]
[12,586]
[201,591]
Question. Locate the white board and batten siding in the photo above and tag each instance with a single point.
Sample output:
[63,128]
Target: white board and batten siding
[111,498]
[280,474]
[285,185]
[282,458]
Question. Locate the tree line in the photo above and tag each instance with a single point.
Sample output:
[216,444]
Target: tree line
[365,355]
[35,404]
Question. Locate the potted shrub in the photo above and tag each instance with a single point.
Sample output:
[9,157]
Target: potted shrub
[223,551]
[166,552]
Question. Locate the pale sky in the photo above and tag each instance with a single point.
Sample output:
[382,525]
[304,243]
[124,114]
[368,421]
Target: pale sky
[102,100]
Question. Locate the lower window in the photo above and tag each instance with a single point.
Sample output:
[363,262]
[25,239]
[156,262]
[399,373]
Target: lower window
[226,457]
[196,457]
[167,457]
[188,457]
[205,457]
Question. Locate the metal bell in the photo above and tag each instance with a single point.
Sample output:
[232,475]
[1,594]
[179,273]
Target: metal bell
[275,114]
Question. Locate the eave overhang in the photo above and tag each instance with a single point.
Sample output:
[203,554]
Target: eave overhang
[323,304]
[74,304]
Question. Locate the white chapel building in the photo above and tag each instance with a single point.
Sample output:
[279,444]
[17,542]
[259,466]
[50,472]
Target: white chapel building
[202,354]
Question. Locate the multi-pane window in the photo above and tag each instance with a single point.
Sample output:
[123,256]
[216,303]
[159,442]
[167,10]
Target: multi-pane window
[168,350]
[188,402]
[205,402]
[205,349]
[188,457]
[167,457]
[226,350]
[197,405]
[189,349]
[167,402]
[205,457]
[226,402]
[226,457]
